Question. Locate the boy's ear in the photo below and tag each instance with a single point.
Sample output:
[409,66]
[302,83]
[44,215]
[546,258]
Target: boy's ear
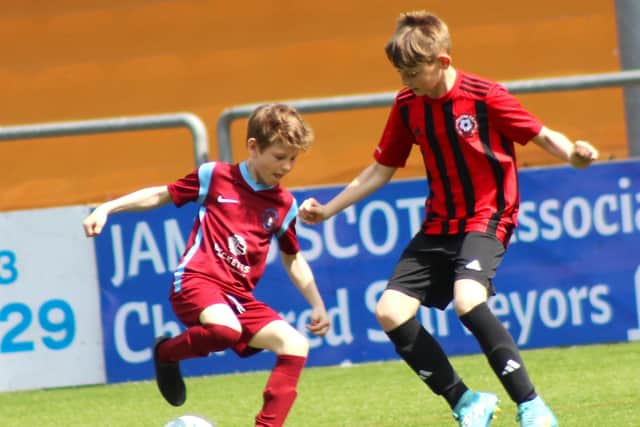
[445,60]
[252,145]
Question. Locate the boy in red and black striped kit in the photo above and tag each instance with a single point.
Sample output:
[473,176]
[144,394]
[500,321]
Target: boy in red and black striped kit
[465,127]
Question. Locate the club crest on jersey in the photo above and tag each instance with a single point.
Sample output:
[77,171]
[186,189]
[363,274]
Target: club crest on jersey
[269,219]
[466,125]
[237,245]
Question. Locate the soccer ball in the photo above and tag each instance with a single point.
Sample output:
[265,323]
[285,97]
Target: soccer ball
[189,421]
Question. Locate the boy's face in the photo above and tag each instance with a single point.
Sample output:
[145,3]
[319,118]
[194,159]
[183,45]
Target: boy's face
[427,78]
[270,165]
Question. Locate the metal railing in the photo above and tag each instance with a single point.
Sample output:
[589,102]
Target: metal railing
[340,103]
[117,124]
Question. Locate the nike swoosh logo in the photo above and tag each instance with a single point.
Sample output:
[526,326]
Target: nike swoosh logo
[222,199]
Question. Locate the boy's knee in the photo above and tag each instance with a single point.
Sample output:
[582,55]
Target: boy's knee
[467,295]
[287,341]
[395,309]
[383,313]
[465,305]
[212,338]
[296,344]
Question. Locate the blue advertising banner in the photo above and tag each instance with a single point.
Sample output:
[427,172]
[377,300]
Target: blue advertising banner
[571,275]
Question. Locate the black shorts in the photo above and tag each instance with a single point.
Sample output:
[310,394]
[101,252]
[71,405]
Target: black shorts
[431,264]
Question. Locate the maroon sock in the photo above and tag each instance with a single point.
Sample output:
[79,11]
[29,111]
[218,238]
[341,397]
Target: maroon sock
[280,391]
[197,341]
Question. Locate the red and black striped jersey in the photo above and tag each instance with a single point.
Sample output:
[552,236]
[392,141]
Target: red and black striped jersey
[232,231]
[466,138]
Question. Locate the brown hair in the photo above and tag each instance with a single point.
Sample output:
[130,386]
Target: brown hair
[419,37]
[278,123]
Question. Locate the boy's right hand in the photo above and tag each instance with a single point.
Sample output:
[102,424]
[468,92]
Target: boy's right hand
[582,154]
[94,223]
[311,212]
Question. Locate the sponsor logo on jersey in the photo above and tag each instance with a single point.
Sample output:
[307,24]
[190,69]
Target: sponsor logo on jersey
[230,258]
[237,245]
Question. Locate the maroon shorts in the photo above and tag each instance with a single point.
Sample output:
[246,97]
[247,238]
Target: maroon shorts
[197,294]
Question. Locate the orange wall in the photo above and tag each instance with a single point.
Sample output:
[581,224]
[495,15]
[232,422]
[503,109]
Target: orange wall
[79,59]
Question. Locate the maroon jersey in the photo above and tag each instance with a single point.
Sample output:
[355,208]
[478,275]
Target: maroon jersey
[236,220]
[466,138]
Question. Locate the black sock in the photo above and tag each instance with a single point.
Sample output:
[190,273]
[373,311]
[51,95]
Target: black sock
[501,351]
[427,359]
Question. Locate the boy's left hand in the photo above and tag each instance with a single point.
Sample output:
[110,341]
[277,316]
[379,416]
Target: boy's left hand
[319,325]
[582,155]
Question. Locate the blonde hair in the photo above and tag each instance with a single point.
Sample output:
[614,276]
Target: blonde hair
[420,37]
[279,123]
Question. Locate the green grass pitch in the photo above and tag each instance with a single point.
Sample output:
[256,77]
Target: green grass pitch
[595,386]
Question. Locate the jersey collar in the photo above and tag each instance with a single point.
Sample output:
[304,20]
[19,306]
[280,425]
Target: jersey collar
[244,170]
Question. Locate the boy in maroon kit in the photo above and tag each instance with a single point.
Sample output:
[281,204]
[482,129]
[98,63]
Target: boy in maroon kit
[242,206]
[465,127]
